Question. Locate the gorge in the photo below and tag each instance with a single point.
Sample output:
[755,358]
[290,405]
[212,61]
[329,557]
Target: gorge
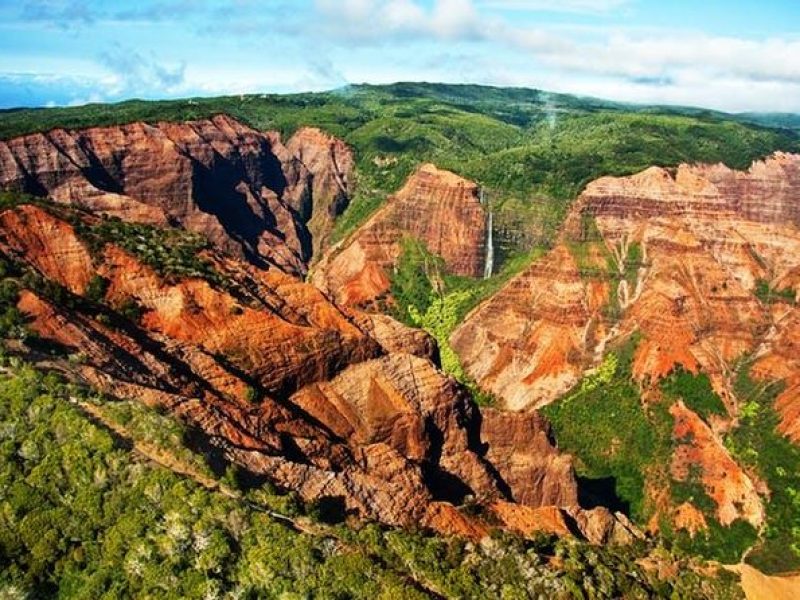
[628,379]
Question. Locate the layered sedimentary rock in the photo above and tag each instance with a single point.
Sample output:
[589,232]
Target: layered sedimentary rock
[330,162]
[675,255]
[436,207]
[531,340]
[326,402]
[520,447]
[701,263]
[243,189]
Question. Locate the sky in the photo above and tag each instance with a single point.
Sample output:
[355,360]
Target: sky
[724,54]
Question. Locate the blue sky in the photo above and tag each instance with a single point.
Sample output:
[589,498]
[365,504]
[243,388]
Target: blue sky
[734,56]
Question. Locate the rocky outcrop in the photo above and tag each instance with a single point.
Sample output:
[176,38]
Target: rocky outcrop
[601,526]
[436,207]
[327,402]
[529,521]
[676,255]
[330,162]
[48,244]
[403,402]
[700,452]
[520,447]
[529,343]
[241,188]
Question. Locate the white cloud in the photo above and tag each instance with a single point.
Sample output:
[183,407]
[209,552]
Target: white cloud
[574,6]
[382,20]
[652,65]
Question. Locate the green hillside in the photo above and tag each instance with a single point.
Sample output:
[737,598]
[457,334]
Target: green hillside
[100,499]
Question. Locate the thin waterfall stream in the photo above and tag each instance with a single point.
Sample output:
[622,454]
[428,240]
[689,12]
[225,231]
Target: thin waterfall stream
[489,264]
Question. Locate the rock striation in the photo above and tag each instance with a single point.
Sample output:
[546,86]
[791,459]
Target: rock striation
[328,402]
[676,255]
[701,263]
[436,207]
[330,162]
[251,195]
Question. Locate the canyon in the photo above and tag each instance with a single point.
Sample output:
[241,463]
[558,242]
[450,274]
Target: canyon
[286,361]
[321,398]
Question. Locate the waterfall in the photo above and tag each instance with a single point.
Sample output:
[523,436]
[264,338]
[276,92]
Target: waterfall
[487,271]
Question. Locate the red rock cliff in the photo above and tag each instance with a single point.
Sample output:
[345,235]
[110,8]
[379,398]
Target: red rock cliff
[323,402]
[677,257]
[436,207]
[243,189]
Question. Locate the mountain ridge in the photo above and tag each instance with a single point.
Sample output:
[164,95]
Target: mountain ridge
[661,296]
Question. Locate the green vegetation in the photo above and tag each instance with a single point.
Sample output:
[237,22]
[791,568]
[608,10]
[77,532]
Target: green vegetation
[767,294]
[12,323]
[633,261]
[695,391]
[429,298]
[604,424]
[172,253]
[693,491]
[81,515]
[590,252]
[96,289]
[716,542]
[756,443]
[724,544]
[411,284]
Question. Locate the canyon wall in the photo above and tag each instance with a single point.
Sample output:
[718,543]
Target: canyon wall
[251,195]
[436,207]
[677,255]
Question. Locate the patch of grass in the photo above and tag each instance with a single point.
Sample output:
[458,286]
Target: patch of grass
[695,391]
[769,295]
[757,443]
[604,424]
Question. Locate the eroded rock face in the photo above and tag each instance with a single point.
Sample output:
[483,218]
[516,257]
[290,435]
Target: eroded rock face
[323,401]
[520,447]
[529,342]
[331,163]
[701,454]
[243,189]
[436,207]
[677,257]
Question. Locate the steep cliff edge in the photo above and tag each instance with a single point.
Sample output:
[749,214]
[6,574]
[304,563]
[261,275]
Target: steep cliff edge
[245,190]
[331,164]
[436,207]
[328,403]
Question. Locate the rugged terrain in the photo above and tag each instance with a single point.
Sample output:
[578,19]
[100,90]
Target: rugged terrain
[314,311]
[324,401]
[435,207]
[676,255]
[244,190]
[699,265]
